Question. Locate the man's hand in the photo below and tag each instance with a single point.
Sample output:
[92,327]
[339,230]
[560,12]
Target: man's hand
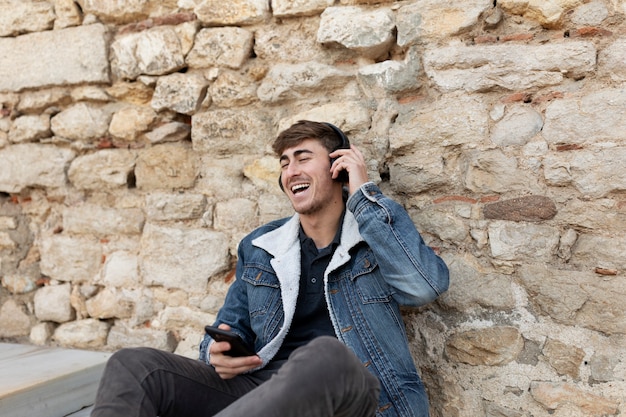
[351,160]
[228,366]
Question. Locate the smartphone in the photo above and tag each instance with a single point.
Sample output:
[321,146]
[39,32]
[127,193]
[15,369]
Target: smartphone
[237,346]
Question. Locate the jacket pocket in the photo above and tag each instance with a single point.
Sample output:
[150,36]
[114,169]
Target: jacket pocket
[264,300]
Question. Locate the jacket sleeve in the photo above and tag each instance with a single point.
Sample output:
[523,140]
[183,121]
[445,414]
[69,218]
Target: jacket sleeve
[407,264]
[234,312]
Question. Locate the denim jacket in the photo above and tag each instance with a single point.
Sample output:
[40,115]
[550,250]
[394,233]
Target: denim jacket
[380,264]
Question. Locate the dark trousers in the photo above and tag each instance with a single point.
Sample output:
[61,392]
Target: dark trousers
[323,378]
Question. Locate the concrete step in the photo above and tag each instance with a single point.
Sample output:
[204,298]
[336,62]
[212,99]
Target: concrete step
[48,382]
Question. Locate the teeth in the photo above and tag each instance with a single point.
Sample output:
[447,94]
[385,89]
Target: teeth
[299,187]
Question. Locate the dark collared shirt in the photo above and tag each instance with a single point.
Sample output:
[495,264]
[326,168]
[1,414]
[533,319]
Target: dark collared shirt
[311,318]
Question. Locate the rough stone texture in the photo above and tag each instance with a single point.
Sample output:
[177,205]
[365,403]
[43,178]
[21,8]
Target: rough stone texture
[30,165]
[225,47]
[24,16]
[157,51]
[368,32]
[533,208]
[236,12]
[135,152]
[193,265]
[52,303]
[566,360]
[38,56]
[492,346]
[480,68]
[104,169]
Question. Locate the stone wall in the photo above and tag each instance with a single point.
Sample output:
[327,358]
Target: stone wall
[134,154]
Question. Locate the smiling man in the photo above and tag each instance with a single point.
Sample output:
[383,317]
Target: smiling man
[317,297]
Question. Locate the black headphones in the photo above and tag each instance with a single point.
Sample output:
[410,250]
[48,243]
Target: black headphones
[344,144]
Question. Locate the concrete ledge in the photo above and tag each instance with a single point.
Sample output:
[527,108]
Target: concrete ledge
[48,382]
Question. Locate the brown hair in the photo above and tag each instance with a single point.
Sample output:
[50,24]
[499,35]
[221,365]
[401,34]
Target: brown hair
[303,130]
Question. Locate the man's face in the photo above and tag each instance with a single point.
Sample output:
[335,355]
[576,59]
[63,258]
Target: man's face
[306,178]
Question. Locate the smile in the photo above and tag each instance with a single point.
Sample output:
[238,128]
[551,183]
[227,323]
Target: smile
[299,188]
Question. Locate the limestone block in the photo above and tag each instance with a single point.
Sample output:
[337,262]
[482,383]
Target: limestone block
[518,67]
[612,60]
[6,242]
[596,117]
[366,31]
[452,120]
[518,126]
[290,8]
[163,206]
[293,41]
[293,81]
[599,216]
[441,221]
[493,171]
[156,51]
[67,258]
[176,257]
[547,13]
[233,13]
[602,367]
[591,172]
[40,100]
[67,14]
[121,270]
[14,321]
[41,333]
[231,132]
[82,334]
[182,93]
[430,20]
[30,165]
[30,128]
[391,77]
[590,14]
[23,16]
[169,132]
[347,115]
[166,166]
[221,178]
[177,318]
[82,122]
[522,241]
[52,303]
[417,172]
[238,215]
[221,47]
[554,395]
[564,358]
[19,283]
[602,251]
[110,303]
[38,55]
[577,298]
[121,336]
[231,89]
[105,169]
[116,11]
[493,346]
[102,221]
[475,286]
[130,122]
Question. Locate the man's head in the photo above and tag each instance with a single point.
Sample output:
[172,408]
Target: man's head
[303,150]
[329,136]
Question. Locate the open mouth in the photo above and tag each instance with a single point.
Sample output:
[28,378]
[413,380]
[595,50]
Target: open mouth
[298,188]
